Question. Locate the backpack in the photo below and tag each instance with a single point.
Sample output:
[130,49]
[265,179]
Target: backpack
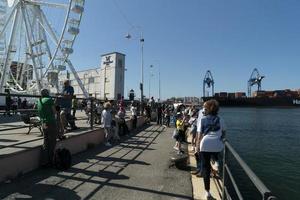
[210,123]
[62,159]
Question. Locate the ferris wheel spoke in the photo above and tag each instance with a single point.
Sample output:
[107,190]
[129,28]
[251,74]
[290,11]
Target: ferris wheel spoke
[43,35]
[5,68]
[36,42]
[29,36]
[48,4]
[8,19]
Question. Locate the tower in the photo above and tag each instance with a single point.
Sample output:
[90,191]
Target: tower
[112,76]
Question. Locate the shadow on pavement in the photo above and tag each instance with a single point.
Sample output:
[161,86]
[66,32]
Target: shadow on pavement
[98,166]
[42,191]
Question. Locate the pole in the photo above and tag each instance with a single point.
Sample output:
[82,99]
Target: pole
[149,85]
[150,75]
[142,71]
[159,84]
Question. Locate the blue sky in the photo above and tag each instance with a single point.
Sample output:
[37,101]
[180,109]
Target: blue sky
[184,38]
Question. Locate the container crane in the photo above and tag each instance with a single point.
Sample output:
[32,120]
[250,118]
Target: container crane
[255,79]
[208,82]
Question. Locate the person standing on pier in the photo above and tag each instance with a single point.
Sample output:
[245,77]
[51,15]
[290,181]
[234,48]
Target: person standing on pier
[66,104]
[46,111]
[122,126]
[159,112]
[74,106]
[106,120]
[133,110]
[211,130]
[8,102]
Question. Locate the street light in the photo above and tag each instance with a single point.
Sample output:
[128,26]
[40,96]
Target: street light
[150,75]
[158,64]
[141,39]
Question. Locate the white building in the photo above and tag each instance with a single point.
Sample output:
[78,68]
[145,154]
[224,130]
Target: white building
[111,69]
[90,79]
[112,75]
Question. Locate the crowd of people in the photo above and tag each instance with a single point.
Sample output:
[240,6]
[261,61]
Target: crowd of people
[58,116]
[207,131]
[12,104]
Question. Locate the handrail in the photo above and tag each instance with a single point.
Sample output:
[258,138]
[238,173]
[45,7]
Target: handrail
[265,192]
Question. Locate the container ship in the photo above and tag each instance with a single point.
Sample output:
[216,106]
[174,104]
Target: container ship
[276,98]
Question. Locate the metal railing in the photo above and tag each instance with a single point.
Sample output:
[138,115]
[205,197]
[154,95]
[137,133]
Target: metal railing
[31,99]
[227,174]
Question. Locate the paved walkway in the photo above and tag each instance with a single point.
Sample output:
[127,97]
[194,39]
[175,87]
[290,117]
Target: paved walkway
[197,182]
[137,168]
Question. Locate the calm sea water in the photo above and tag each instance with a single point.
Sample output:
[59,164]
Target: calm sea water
[268,140]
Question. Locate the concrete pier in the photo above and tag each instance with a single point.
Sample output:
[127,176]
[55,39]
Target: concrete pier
[137,168]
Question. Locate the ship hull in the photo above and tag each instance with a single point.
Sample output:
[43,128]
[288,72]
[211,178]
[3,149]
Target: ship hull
[257,101]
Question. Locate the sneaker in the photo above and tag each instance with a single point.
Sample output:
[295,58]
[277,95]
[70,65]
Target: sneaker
[215,165]
[107,144]
[195,172]
[207,195]
[176,148]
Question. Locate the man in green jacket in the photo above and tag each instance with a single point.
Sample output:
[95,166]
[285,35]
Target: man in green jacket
[46,111]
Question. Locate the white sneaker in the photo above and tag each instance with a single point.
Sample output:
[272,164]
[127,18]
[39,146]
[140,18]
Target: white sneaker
[215,166]
[193,149]
[207,195]
[107,144]
[176,148]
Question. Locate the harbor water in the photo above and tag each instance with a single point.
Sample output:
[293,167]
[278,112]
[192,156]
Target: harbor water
[268,139]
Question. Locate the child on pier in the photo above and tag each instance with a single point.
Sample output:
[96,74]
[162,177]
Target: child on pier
[180,136]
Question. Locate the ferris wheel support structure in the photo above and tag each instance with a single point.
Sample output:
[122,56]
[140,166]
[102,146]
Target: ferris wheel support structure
[6,56]
[31,53]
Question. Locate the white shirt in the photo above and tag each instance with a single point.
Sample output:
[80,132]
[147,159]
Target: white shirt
[106,118]
[212,141]
[200,115]
[133,110]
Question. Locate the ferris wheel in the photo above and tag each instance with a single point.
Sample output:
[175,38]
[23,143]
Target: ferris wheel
[36,40]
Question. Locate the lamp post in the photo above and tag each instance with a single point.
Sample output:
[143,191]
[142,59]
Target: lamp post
[159,88]
[141,39]
[150,75]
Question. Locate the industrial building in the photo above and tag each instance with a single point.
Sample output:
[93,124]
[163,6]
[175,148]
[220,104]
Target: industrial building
[105,81]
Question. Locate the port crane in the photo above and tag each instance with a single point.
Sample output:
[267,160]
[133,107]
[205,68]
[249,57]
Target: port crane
[208,82]
[255,79]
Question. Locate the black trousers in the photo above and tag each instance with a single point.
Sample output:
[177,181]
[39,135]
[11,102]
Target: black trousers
[50,135]
[123,128]
[134,122]
[159,119]
[207,167]
[167,120]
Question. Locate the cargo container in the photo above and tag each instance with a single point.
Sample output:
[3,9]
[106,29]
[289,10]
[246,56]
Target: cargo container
[223,94]
[240,94]
[231,95]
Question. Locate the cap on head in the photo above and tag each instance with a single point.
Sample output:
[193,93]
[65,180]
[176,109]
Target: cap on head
[45,93]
